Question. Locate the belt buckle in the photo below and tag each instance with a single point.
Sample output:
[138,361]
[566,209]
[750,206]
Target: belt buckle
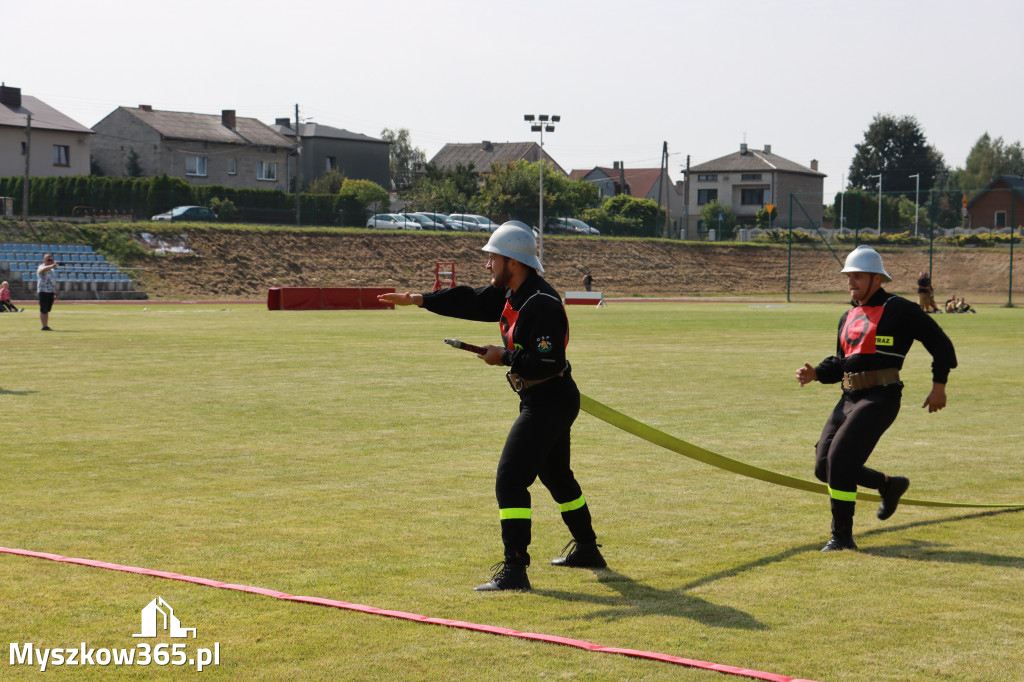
[515,381]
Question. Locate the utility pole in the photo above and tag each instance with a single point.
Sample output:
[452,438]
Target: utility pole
[661,175]
[298,167]
[28,156]
[668,187]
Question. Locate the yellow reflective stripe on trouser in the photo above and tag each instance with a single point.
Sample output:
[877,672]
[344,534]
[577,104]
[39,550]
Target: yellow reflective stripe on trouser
[571,506]
[842,495]
[515,513]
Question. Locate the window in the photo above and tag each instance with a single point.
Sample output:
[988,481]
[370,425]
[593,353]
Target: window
[232,166]
[331,163]
[23,148]
[1000,219]
[707,178]
[706,195]
[266,170]
[754,197]
[60,155]
[750,176]
[195,165]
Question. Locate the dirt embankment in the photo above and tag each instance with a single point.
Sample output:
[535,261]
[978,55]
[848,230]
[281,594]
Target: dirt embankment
[242,265]
[225,264]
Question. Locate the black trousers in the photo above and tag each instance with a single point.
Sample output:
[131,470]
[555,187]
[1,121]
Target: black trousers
[850,435]
[538,447]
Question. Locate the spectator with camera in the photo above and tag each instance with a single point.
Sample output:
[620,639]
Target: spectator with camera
[46,285]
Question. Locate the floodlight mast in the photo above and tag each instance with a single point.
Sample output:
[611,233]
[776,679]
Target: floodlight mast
[541,123]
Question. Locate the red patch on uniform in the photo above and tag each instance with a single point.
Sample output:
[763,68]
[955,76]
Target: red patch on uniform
[858,334]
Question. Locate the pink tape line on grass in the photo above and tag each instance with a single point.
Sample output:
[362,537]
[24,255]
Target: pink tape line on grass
[489,629]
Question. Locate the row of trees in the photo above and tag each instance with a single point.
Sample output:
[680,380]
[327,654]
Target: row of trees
[512,192]
[897,149]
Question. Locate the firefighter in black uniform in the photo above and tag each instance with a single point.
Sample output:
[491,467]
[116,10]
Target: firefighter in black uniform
[535,331]
[874,337]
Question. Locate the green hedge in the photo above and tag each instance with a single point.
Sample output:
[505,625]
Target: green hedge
[87,195]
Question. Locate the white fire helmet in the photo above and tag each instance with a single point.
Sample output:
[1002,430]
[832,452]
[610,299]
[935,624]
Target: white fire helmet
[866,259]
[516,241]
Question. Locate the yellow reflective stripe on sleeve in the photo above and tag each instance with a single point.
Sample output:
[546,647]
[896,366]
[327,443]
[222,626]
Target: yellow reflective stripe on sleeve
[571,506]
[842,495]
[515,513]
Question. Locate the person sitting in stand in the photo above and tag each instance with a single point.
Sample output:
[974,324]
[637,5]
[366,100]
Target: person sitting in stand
[5,301]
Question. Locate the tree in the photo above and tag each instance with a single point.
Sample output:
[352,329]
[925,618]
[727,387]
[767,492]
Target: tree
[896,148]
[356,195]
[444,191]
[513,189]
[709,216]
[765,219]
[988,159]
[132,166]
[406,161]
[328,183]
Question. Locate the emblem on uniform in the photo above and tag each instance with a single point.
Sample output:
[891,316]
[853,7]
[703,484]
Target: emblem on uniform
[544,344]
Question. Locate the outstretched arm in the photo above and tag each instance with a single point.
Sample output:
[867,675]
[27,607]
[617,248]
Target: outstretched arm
[401,299]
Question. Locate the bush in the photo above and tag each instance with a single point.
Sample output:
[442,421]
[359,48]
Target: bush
[224,208]
[982,240]
[896,238]
[782,237]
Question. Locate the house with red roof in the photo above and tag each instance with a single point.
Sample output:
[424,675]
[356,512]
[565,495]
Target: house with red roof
[642,183]
[1000,206]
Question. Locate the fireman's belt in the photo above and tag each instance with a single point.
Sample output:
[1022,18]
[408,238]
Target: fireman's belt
[519,384]
[871,379]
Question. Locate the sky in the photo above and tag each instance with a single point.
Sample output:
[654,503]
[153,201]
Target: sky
[804,76]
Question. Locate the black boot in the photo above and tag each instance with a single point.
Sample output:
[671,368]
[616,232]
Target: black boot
[839,542]
[582,555]
[891,492]
[507,576]
[842,527]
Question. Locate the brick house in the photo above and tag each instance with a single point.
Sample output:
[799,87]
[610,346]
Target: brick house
[746,181]
[324,149]
[998,206]
[57,145]
[203,149]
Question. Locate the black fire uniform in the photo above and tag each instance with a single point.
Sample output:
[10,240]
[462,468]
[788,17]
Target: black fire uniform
[535,332]
[872,337]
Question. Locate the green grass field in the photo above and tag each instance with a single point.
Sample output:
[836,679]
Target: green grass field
[351,455]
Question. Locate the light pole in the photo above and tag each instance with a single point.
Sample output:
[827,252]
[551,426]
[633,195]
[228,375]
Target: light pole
[879,176]
[917,192]
[541,123]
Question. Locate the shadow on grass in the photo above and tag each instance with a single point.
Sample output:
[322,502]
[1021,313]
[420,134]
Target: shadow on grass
[919,551]
[637,599]
[4,391]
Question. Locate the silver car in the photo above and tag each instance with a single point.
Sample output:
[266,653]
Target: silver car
[392,221]
[474,223]
[425,222]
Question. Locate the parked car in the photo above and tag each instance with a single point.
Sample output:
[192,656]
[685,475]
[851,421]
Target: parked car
[439,218]
[569,226]
[191,213]
[474,223]
[392,221]
[425,222]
